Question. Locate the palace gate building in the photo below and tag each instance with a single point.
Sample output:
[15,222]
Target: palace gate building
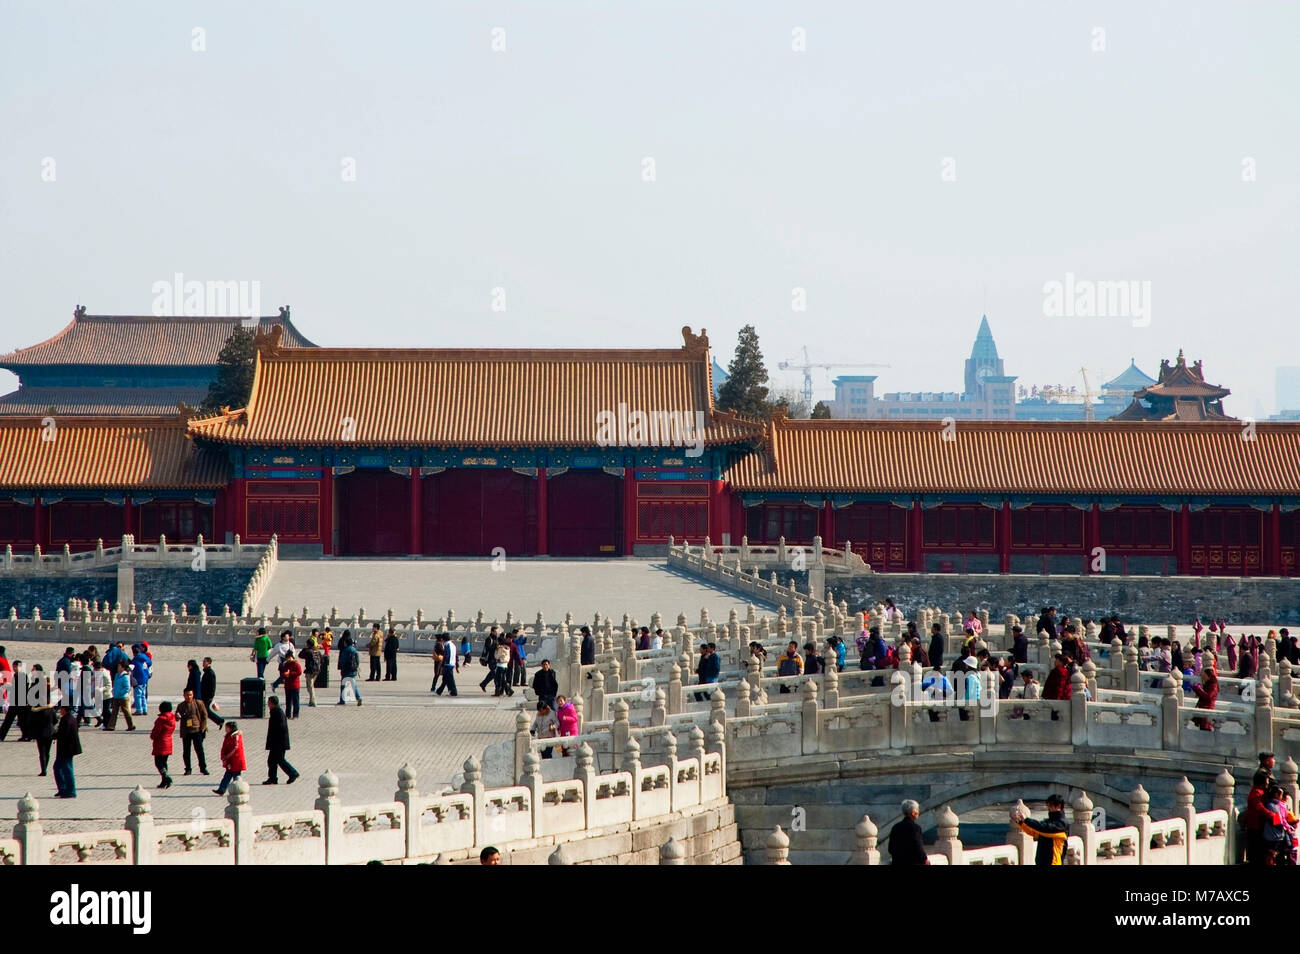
[399,452]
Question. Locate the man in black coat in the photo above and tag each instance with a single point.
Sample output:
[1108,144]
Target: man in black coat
[905,844]
[545,685]
[1020,645]
[936,646]
[67,745]
[277,743]
[588,657]
[208,690]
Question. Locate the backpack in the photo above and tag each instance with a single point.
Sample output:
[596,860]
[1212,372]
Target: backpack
[311,666]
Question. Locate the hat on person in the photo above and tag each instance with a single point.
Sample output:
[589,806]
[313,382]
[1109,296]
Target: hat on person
[970,661]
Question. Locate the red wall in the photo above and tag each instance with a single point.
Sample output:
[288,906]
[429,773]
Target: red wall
[584,514]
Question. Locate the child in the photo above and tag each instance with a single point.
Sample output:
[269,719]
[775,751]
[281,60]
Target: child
[232,757]
[464,651]
[1278,833]
[163,728]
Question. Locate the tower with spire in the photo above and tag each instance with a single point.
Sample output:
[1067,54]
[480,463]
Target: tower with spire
[983,362]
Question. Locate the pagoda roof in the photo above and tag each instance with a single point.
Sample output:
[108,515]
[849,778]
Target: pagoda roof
[101,401]
[1021,457]
[468,397]
[141,340]
[1129,380]
[105,453]
[1182,381]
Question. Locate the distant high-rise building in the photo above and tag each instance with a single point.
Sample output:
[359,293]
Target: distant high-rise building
[1288,392]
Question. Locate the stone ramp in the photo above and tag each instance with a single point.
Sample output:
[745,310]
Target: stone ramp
[521,586]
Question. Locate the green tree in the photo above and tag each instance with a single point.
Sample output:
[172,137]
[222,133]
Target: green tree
[822,412]
[745,391]
[234,381]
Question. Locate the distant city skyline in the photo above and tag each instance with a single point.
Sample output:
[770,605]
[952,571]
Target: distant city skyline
[865,180]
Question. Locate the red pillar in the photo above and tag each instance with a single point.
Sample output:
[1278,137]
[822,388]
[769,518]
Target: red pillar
[915,537]
[327,510]
[828,525]
[629,510]
[1272,556]
[717,501]
[738,528]
[1004,537]
[40,524]
[238,512]
[1184,540]
[414,545]
[128,515]
[542,528]
[1092,535]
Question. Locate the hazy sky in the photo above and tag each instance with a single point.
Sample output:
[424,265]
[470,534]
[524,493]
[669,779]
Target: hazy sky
[523,169]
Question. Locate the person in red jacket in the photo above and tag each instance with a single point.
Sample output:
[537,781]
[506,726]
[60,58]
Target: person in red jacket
[232,757]
[1206,693]
[163,729]
[291,672]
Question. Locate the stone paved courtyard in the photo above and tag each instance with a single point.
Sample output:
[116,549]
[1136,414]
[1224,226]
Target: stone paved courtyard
[524,586]
[364,746]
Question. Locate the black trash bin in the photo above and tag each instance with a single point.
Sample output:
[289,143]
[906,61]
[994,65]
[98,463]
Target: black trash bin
[252,698]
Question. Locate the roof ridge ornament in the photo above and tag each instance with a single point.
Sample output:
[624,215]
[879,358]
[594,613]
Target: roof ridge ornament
[267,340]
[79,312]
[695,344]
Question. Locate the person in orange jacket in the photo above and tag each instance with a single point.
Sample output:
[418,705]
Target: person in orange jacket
[232,757]
[161,734]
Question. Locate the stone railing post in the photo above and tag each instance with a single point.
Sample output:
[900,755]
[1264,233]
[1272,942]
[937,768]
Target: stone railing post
[778,847]
[717,745]
[670,762]
[1288,776]
[1263,715]
[585,771]
[672,853]
[239,812]
[1169,719]
[139,822]
[631,764]
[29,833]
[1016,836]
[808,707]
[1078,709]
[948,843]
[659,711]
[523,742]
[598,711]
[1083,827]
[1132,682]
[866,834]
[1185,808]
[532,780]
[1139,816]
[742,699]
[327,802]
[406,794]
[621,730]
[1224,790]
[831,687]
[674,689]
[473,785]
[718,707]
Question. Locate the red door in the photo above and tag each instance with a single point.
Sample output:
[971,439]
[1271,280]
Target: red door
[584,512]
[472,512]
[374,513]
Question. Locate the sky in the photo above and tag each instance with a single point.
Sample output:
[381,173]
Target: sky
[569,174]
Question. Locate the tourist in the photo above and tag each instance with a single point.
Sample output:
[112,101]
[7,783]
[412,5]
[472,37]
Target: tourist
[935,688]
[284,650]
[1058,680]
[919,655]
[588,653]
[64,664]
[501,674]
[789,665]
[103,692]
[936,645]
[161,734]
[545,726]
[566,717]
[973,624]
[1266,762]
[311,664]
[708,670]
[232,757]
[43,725]
[67,746]
[906,846]
[812,663]
[449,659]
[892,613]
[1047,622]
[1247,661]
[349,664]
[439,656]
[115,656]
[1051,833]
[85,690]
[462,658]
[841,653]
[545,685]
[657,641]
[1006,677]
[192,719]
[488,658]
[277,744]
[192,677]
[519,659]
[391,642]
[643,640]
[326,644]
[292,673]
[376,646]
[1277,832]
[489,856]
[1019,645]
[757,651]
[1206,693]
[19,704]
[121,698]
[141,669]
[208,691]
[261,652]
[970,683]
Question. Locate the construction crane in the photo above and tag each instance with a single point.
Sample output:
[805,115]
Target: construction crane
[807,365]
[1088,413]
